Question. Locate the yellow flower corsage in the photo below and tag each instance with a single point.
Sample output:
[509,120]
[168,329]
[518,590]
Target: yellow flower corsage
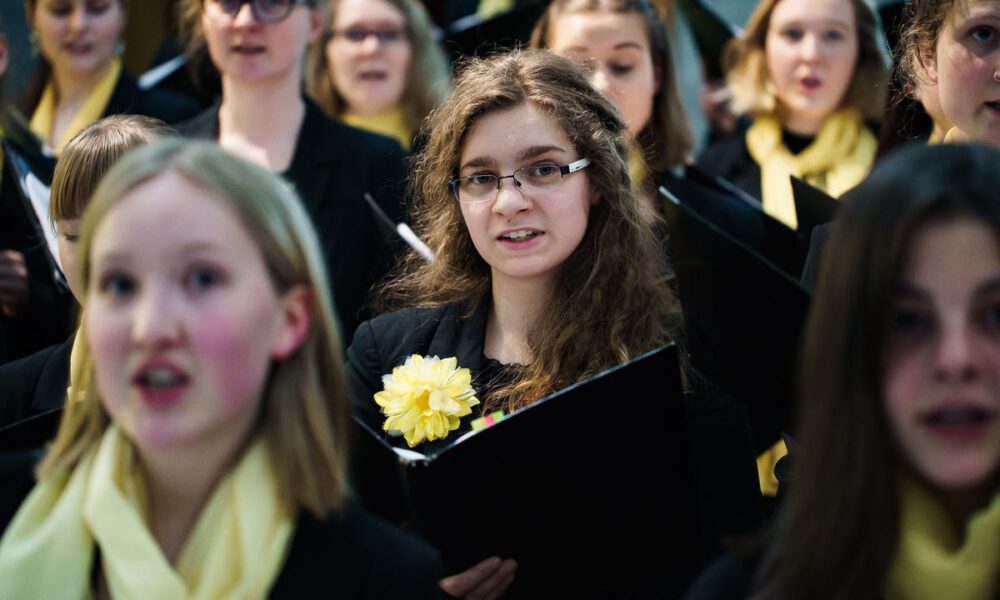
[425,398]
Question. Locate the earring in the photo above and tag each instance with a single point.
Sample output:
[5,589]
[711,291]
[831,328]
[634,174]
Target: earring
[33,42]
[119,48]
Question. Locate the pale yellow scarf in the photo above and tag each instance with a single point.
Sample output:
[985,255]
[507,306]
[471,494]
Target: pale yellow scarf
[837,160]
[234,551]
[391,123]
[89,113]
[931,562]
[488,9]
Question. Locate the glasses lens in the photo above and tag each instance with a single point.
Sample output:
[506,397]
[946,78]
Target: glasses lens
[539,177]
[270,11]
[476,188]
[223,7]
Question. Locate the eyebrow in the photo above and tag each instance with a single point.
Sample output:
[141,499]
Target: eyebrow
[120,256]
[909,291]
[838,23]
[619,46]
[526,154]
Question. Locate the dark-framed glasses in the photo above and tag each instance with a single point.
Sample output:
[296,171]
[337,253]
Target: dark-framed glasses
[484,187]
[264,11]
[358,35]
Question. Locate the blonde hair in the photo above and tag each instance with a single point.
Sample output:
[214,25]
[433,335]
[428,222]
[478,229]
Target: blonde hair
[611,299]
[666,141]
[750,84]
[305,409]
[89,155]
[428,79]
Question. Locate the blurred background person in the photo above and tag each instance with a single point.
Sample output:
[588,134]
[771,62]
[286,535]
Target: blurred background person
[378,67]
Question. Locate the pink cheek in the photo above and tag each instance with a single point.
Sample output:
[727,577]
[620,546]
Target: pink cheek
[237,362]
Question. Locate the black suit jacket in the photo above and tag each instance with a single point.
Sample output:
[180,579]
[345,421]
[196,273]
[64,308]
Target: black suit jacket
[34,384]
[332,167]
[724,461]
[167,105]
[348,555]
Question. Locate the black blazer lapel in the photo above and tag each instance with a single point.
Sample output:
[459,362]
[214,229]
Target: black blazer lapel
[461,338]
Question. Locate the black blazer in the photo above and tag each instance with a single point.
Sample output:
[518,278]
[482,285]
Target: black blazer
[332,167]
[349,555]
[724,461]
[34,384]
[167,105]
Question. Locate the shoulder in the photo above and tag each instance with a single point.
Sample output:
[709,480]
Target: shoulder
[406,330]
[204,125]
[353,139]
[129,98]
[723,154]
[17,478]
[727,578]
[352,554]
[21,379]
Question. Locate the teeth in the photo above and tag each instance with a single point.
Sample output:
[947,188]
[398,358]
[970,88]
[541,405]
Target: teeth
[519,235]
[160,378]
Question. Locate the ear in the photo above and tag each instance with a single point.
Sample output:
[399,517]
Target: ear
[294,322]
[595,198]
[928,63]
[318,18]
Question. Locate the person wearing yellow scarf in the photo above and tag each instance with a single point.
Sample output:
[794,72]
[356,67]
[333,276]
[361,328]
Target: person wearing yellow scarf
[837,160]
[391,123]
[235,550]
[933,562]
[42,119]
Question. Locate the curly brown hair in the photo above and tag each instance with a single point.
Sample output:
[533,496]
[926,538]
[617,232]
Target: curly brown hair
[612,301]
[924,20]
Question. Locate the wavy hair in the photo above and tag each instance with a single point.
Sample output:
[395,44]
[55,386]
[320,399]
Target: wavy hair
[844,476]
[748,80]
[305,409]
[427,79]
[666,141]
[611,299]
[924,20]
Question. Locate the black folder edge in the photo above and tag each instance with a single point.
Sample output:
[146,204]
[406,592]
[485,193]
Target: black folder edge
[475,36]
[669,196]
[711,33]
[813,206]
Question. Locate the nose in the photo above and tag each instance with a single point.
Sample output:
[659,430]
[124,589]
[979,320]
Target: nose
[955,360]
[810,48]
[371,44]
[601,80]
[155,323]
[510,200]
[244,17]
[78,18]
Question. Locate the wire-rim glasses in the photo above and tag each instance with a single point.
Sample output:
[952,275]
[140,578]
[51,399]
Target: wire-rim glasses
[484,187]
[264,11]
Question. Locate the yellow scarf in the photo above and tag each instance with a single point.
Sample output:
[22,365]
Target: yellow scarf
[491,8]
[766,462]
[390,123]
[955,136]
[234,551]
[931,562]
[837,160]
[89,113]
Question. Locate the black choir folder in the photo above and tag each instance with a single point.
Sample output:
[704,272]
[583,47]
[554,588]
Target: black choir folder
[589,489]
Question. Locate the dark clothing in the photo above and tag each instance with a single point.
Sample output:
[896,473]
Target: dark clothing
[34,384]
[730,158]
[810,273]
[332,167]
[727,578]
[722,452]
[348,555]
[166,105]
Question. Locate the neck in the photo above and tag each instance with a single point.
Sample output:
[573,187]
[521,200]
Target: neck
[179,483]
[260,122]
[799,124]
[74,89]
[516,306]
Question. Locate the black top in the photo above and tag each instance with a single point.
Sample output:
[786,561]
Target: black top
[34,384]
[347,555]
[332,167]
[169,106]
[728,492]
[730,158]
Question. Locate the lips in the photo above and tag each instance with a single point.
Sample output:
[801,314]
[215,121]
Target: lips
[373,76]
[78,47]
[811,83]
[519,235]
[962,422]
[248,49]
[160,383]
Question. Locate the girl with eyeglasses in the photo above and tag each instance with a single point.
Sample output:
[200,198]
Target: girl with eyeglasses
[258,47]
[81,78]
[547,270]
[378,67]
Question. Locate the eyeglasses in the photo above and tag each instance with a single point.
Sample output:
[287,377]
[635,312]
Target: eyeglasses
[264,11]
[484,187]
[356,35]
